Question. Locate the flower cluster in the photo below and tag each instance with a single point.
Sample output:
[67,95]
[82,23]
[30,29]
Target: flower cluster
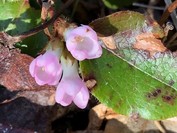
[82,43]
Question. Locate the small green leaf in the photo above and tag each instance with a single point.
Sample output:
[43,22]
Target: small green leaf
[18,17]
[132,81]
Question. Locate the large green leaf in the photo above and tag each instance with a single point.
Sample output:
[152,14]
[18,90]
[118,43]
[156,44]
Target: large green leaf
[132,81]
[16,16]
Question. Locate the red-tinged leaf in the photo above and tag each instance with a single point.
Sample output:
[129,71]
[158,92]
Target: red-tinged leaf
[15,71]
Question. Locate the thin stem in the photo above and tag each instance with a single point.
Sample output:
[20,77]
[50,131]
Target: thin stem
[148,6]
[150,11]
[44,25]
[75,7]
[167,12]
[173,14]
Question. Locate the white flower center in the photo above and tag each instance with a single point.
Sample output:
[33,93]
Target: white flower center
[43,68]
[79,39]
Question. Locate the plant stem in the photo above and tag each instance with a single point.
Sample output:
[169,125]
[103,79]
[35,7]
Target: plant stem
[75,7]
[44,25]
[167,12]
[148,6]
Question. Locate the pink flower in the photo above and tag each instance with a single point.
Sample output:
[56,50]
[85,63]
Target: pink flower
[46,69]
[71,88]
[83,43]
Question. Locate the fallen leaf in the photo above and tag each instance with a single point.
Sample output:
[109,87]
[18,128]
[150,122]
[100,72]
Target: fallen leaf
[15,71]
[15,76]
[42,97]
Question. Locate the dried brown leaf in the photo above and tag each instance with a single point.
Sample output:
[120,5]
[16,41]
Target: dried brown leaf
[15,71]
[15,76]
[43,97]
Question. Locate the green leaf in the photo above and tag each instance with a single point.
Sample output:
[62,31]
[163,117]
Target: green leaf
[132,81]
[115,4]
[17,17]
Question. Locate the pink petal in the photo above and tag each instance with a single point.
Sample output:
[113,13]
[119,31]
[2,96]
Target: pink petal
[41,76]
[67,33]
[90,32]
[55,79]
[96,51]
[73,85]
[53,67]
[99,52]
[83,30]
[50,56]
[62,97]
[82,98]
[46,69]
[39,82]
[40,60]
[32,67]
[71,43]
[79,31]
[87,47]
[79,55]
[70,89]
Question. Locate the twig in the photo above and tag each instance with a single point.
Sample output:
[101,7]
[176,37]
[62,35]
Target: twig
[44,25]
[9,100]
[102,8]
[150,11]
[148,6]
[167,12]
[46,7]
[9,41]
[75,7]
[173,14]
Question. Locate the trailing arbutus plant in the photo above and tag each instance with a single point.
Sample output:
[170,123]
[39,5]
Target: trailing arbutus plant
[122,54]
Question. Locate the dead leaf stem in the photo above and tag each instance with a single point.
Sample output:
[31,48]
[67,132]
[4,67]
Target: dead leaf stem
[167,12]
